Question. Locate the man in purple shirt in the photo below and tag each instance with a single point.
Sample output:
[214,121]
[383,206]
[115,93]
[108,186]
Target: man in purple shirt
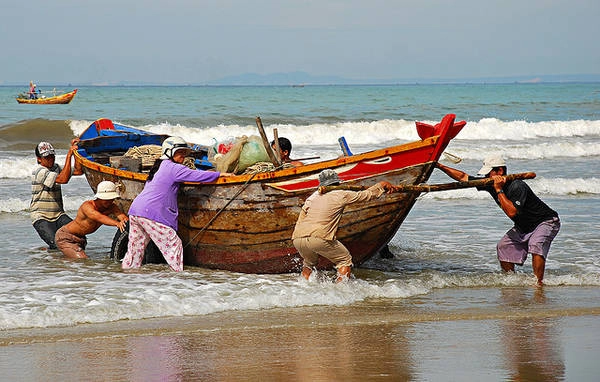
[153,213]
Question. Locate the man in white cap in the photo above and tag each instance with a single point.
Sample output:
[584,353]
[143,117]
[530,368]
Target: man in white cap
[535,224]
[71,239]
[317,225]
[46,208]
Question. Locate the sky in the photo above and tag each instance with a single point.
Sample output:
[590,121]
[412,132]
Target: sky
[198,41]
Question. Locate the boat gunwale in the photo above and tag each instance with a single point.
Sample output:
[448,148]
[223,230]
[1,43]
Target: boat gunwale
[276,175]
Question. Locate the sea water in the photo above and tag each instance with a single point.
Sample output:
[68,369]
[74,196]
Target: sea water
[446,244]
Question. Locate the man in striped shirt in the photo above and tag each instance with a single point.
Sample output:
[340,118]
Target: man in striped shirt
[46,208]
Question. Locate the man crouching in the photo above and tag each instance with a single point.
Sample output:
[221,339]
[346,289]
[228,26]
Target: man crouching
[71,240]
[317,225]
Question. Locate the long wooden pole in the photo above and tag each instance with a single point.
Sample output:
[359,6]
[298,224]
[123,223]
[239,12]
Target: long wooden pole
[276,161]
[276,143]
[432,187]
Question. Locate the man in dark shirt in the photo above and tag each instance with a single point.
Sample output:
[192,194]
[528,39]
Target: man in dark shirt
[536,224]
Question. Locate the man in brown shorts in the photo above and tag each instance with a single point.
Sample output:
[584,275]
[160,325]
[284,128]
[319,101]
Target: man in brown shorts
[71,240]
[317,225]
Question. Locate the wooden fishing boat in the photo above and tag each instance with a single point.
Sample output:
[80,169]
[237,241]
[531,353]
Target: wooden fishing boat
[55,99]
[244,223]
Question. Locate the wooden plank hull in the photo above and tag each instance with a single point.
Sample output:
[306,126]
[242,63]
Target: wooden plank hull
[244,223]
[59,99]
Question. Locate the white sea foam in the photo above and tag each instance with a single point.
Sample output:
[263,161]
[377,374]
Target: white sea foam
[492,128]
[18,168]
[489,135]
[61,298]
[533,150]
[21,204]
[541,186]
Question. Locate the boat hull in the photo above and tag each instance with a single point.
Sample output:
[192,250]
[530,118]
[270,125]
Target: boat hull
[59,99]
[245,223]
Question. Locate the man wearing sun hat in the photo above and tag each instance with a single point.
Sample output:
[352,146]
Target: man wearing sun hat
[71,238]
[535,224]
[46,208]
[315,231]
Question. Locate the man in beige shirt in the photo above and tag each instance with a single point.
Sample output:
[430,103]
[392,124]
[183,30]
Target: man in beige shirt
[317,225]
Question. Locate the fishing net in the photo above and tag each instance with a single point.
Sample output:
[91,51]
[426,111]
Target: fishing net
[245,152]
[150,153]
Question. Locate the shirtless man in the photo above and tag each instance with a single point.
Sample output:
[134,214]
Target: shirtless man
[71,240]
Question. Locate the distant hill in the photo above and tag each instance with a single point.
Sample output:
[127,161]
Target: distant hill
[291,78]
[302,78]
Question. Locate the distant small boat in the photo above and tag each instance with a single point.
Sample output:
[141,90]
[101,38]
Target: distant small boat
[55,99]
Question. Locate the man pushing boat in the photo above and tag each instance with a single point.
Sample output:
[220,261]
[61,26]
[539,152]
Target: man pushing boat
[71,238]
[536,224]
[317,224]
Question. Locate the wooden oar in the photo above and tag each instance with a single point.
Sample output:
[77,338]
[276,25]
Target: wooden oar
[432,187]
[276,161]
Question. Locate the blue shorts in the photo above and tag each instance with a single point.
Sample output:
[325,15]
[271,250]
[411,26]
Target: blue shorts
[47,229]
[514,245]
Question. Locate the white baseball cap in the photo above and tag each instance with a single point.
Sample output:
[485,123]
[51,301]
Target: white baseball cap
[107,190]
[490,163]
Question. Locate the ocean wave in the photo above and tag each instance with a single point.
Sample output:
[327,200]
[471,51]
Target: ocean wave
[21,204]
[553,135]
[530,150]
[64,300]
[492,128]
[24,135]
[541,186]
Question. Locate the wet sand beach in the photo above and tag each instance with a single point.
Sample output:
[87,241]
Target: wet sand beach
[531,334]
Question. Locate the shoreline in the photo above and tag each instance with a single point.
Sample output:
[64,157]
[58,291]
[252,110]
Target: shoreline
[485,304]
[533,336]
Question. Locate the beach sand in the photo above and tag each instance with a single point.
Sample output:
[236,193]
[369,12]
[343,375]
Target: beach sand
[526,334]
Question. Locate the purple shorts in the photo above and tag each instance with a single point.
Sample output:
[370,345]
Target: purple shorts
[514,245]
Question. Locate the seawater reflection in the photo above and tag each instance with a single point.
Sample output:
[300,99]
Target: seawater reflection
[532,347]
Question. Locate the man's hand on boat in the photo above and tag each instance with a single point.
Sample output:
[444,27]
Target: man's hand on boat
[388,187]
[77,170]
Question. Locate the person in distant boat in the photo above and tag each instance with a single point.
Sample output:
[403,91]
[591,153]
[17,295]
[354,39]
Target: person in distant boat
[535,224]
[285,147]
[316,228]
[71,238]
[32,90]
[46,207]
[153,213]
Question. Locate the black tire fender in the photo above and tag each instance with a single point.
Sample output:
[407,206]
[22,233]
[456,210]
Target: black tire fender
[118,249]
